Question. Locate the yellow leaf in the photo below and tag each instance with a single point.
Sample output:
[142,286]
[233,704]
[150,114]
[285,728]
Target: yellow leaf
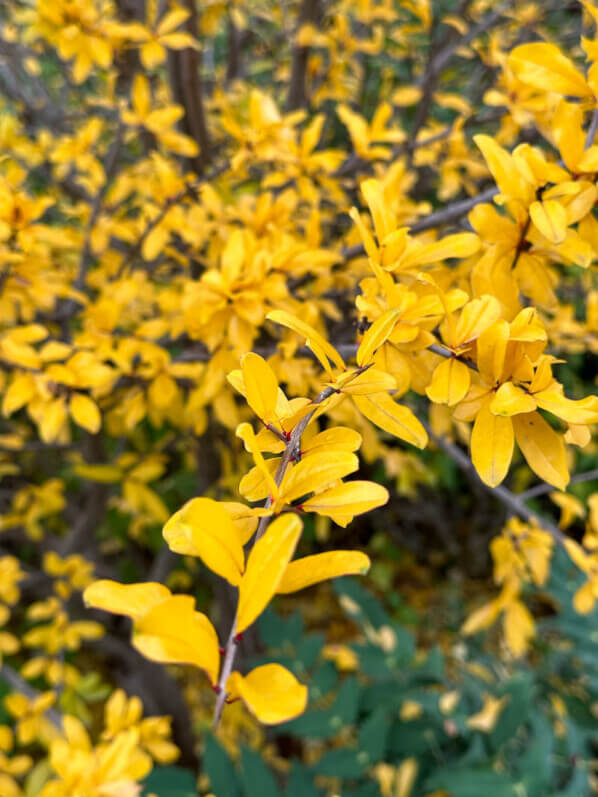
[204,528]
[503,169]
[141,96]
[132,600]
[370,381]
[544,66]
[519,627]
[107,474]
[366,236]
[475,317]
[410,710]
[543,448]
[244,522]
[52,419]
[336,437]
[350,498]
[585,598]
[492,442]
[163,391]
[247,435]
[315,472]
[486,719]
[382,411]
[406,775]
[266,564]
[450,382]
[582,412]
[254,486]
[261,387]
[550,217]
[376,335]
[567,127]
[578,435]
[85,412]
[179,143]
[511,400]
[461,244]
[20,392]
[270,692]
[313,339]
[321,566]
[172,632]
[155,242]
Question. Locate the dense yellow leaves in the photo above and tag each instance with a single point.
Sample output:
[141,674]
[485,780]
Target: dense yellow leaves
[202,291]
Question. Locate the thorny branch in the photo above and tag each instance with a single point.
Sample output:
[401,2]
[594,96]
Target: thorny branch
[291,448]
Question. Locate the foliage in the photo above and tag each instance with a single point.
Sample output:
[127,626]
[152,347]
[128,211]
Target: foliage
[386,720]
[256,261]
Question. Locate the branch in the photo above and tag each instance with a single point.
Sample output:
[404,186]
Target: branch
[19,684]
[592,130]
[109,170]
[437,63]
[184,67]
[233,65]
[293,446]
[514,503]
[452,212]
[297,97]
[542,489]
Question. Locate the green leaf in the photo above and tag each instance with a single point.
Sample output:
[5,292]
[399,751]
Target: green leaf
[471,783]
[341,764]
[301,783]
[521,691]
[257,778]
[369,608]
[373,736]
[218,766]
[171,782]
[346,705]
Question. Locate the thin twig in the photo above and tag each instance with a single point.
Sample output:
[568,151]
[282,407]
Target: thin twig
[452,212]
[292,447]
[19,684]
[592,130]
[514,503]
[542,489]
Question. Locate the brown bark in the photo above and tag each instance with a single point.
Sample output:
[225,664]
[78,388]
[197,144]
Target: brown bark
[309,12]
[184,68]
